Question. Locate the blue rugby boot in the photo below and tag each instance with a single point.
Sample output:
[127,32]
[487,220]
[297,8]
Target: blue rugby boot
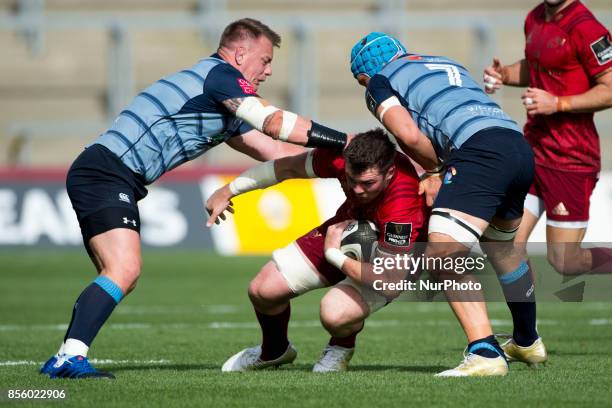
[76,367]
[46,368]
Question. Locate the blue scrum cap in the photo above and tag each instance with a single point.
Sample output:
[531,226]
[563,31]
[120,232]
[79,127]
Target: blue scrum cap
[373,52]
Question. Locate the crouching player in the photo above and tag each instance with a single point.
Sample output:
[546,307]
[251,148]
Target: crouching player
[381,185]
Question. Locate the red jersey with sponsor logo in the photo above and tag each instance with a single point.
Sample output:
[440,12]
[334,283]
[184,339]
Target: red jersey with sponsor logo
[565,56]
[399,213]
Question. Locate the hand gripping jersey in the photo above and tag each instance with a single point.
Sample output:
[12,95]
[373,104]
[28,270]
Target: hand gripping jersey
[178,118]
[445,102]
[565,55]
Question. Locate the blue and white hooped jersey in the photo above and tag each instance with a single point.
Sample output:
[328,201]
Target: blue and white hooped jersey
[178,118]
[443,99]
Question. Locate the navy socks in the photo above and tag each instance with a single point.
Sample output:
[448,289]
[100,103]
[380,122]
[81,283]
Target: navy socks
[519,291]
[91,310]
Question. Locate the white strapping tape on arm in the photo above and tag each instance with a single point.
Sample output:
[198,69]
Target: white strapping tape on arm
[254,113]
[260,176]
[309,166]
[388,103]
[289,119]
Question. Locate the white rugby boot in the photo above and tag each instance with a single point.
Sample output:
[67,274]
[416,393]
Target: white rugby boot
[333,359]
[249,359]
[474,365]
[534,356]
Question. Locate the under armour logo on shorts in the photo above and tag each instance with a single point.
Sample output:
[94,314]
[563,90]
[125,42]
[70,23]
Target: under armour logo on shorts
[128,221]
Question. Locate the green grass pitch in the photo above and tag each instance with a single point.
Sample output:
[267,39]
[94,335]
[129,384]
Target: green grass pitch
[166,343]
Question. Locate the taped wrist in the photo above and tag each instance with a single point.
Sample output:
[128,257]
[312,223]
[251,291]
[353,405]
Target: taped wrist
[321,136]
[335,257]
[260,176]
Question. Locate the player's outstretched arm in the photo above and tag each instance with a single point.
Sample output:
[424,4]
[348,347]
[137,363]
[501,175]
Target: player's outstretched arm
[284,125]
[254,144]
[496,75]
[261,176]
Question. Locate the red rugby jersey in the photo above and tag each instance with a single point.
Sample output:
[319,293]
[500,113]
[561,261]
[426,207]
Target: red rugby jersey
[399,213]
[565,55]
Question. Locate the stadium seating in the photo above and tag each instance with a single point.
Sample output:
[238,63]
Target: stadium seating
[56,100]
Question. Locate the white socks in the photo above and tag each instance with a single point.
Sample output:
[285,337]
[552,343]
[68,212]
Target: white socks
[74,347]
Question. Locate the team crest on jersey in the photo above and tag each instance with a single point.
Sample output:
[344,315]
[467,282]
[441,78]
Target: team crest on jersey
[602,49]
[315,233]
[450,173]
[246,86]
[398,234]
[556,42]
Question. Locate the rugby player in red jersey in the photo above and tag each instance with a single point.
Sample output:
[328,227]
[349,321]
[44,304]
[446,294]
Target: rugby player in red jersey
[568,71]
[381,185]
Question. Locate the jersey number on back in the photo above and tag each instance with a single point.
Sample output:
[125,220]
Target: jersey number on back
[454,77]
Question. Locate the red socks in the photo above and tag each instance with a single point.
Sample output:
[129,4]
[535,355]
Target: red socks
[346,342]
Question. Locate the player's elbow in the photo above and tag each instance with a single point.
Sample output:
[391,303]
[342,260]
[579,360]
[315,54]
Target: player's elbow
[273,124]
[408,136]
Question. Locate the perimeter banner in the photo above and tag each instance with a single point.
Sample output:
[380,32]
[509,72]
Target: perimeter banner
[35,211]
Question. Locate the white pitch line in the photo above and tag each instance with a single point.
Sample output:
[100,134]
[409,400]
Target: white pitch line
[93,361]
[600,322]
[176,310]
[295,324]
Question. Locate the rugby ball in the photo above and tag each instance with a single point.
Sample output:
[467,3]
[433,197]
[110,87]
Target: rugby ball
[359,240]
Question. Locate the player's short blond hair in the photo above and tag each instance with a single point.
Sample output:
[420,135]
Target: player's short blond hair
[248,28]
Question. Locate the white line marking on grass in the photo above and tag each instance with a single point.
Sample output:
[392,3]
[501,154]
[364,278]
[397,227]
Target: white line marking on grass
[600,322]
[176,310]
[17,327]
[254,325]
[93,361]
[18,363]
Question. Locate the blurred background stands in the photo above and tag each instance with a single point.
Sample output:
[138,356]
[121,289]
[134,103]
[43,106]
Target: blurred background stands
[68,67]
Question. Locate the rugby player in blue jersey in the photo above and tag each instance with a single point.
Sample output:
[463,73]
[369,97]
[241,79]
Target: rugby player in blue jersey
[175,120]
[478,171]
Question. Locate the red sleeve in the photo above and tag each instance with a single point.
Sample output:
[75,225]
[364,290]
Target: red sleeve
[593,45]
[402,216]
[526,24]
[327,163]
[529,19]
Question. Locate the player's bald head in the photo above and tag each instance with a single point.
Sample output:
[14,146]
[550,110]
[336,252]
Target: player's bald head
[247,29]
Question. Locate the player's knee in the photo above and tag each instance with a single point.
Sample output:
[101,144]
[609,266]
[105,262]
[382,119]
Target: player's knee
[258,294]
[254,292]
[561,263]
[334,317]
[125,273]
